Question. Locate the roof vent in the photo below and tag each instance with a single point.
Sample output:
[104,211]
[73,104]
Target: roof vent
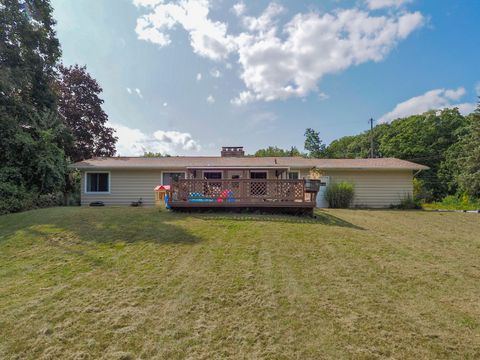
[232,151]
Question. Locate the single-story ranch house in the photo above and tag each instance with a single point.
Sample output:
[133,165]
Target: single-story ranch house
[236,180]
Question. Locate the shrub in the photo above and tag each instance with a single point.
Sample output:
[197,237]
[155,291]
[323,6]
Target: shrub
[451,202]
[420,193]
[340,195]
[14,198]
[407,203]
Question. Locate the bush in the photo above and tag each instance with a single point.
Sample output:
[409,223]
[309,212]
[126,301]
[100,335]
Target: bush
[14,198]
[407,203]
[420,193]
[340,195]
[451,202]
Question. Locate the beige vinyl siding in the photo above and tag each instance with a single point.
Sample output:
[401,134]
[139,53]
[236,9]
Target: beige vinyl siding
[373,188]
[376,189]
[126,186]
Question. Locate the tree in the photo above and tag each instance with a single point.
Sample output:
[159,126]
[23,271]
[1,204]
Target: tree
[470,175]
[80,106]
[154,155]
[313,144]
[31,135]
[274,151]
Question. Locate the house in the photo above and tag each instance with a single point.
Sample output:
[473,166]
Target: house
[236,180]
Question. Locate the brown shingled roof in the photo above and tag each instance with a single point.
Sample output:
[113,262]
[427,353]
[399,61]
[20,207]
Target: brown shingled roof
[247,161]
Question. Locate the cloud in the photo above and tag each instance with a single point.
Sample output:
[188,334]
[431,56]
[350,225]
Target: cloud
[437,99]
[239,8]
[129,90]
[199,76]
[313,46]
[208,38]
[134,142]
[281,61]
[146,3]
[215,73]
[380,4]
[266,20]
[165,104]
[210,99]
[322,96]
[139,93]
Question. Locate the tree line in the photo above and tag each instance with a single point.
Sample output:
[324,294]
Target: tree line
[446,141]
[50,115]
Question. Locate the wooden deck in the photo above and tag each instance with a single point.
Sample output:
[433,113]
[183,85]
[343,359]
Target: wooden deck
[241,193]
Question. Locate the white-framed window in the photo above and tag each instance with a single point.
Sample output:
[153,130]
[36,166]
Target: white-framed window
[97,182]
[169,177]
[293,175]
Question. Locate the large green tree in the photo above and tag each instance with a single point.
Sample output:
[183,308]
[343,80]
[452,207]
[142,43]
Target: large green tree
[32,137]
[469,177]
[431,138]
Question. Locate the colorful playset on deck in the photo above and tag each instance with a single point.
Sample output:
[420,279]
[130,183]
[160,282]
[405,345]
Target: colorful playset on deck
[161,195]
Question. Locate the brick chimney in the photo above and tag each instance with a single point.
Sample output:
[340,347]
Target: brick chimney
[232,151]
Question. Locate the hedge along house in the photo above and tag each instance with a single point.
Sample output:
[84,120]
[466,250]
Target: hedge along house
[243,181]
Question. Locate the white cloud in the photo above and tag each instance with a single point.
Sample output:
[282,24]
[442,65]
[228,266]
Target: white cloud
[437,99]
[278,62]
[199,76]
[147,3]
[380,4]
[208,38]
[215,73]
[266,20]
[314,46]
[134,142]
[165,104]
[210,99]
[139,93]
[129,90]
[239,8]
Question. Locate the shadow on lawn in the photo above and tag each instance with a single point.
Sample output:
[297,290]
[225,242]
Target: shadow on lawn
[320,218]
[104,226]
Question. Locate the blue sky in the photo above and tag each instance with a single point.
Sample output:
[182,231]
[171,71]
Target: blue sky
[188,76]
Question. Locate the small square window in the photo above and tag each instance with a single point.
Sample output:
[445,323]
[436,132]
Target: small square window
[98,182]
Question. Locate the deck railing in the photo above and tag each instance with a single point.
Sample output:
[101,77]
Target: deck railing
[240,191]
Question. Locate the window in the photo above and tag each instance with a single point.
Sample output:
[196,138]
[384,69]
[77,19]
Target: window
[97,182]
[293,175]
[170,177]
[258,174]
[212,175]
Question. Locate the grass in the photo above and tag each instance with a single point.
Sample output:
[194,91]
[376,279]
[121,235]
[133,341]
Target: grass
[124,283]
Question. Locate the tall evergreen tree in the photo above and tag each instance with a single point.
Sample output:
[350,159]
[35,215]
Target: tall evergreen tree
[313,144]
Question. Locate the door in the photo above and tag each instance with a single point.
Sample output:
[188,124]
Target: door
[321,202]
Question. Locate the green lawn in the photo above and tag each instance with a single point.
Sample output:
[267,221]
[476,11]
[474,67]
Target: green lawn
[128,283]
